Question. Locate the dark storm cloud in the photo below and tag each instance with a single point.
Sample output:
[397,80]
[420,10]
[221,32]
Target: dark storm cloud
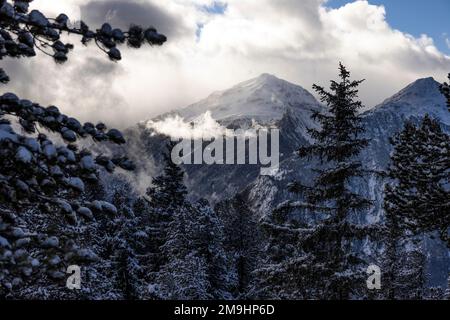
[122,13]
[92,67]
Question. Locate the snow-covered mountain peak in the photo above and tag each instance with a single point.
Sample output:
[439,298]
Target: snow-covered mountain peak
[417,99]
[424,90]
[265,80]
[263,99]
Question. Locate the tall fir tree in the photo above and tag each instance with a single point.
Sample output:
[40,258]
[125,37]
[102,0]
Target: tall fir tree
[127,239]
[317,260]
[404,265]
[394,232]
[112,276]
[392,264]
[166,195]
[196,266]
[185,274]
[420,166]
[187,241]
[207,238]
[415,203]
[243,243]
[414,272]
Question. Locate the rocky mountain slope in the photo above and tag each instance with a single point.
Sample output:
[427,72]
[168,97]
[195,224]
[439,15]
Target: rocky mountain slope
[263,101]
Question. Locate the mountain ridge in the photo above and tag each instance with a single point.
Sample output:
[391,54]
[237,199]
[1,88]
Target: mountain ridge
[415,100]
[264,99]
[294,121]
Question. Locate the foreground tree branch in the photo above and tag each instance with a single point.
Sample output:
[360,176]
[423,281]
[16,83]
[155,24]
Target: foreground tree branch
[43,172]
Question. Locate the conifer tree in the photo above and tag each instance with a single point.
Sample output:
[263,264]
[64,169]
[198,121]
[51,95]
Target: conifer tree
[415,273]
[417,200]
[317,260]
[187,240]
[125,242]
[166,198]
[243,243]
[392,264]
[185,273]
[196,266]
[403,267]
[419,169]
[184,278]
[394,232]
[207,238]
[445,89]
[447,291]
[166,195]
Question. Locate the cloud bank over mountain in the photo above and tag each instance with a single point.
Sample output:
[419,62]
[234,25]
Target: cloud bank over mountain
[210,49]
[176,127]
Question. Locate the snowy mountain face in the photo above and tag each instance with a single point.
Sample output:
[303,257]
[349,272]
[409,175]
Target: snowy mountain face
[269,101]
[416,100]
[264,99]
[412,103]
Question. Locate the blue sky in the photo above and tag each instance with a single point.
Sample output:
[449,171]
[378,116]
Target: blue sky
[415,17]
[217,7]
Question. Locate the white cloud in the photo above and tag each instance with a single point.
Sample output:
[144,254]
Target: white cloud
[204,127]
[301,41]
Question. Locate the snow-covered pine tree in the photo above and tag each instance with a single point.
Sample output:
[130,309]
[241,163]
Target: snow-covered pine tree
[37,172]
[420,166]
[445,89]
[447,291]
[395,233]
[196,265]
[414,272]
[286,269]
[166,195]
[166,199]
[177,279]
[125,263]
[121,243]
[436,293]
[404,274]
[207,239]
[168,190]
[187,241]
[417,198]
[317,260]
[139,238]
[184,278]
[392,264]
[242,241]
[99,276]
[404,262]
